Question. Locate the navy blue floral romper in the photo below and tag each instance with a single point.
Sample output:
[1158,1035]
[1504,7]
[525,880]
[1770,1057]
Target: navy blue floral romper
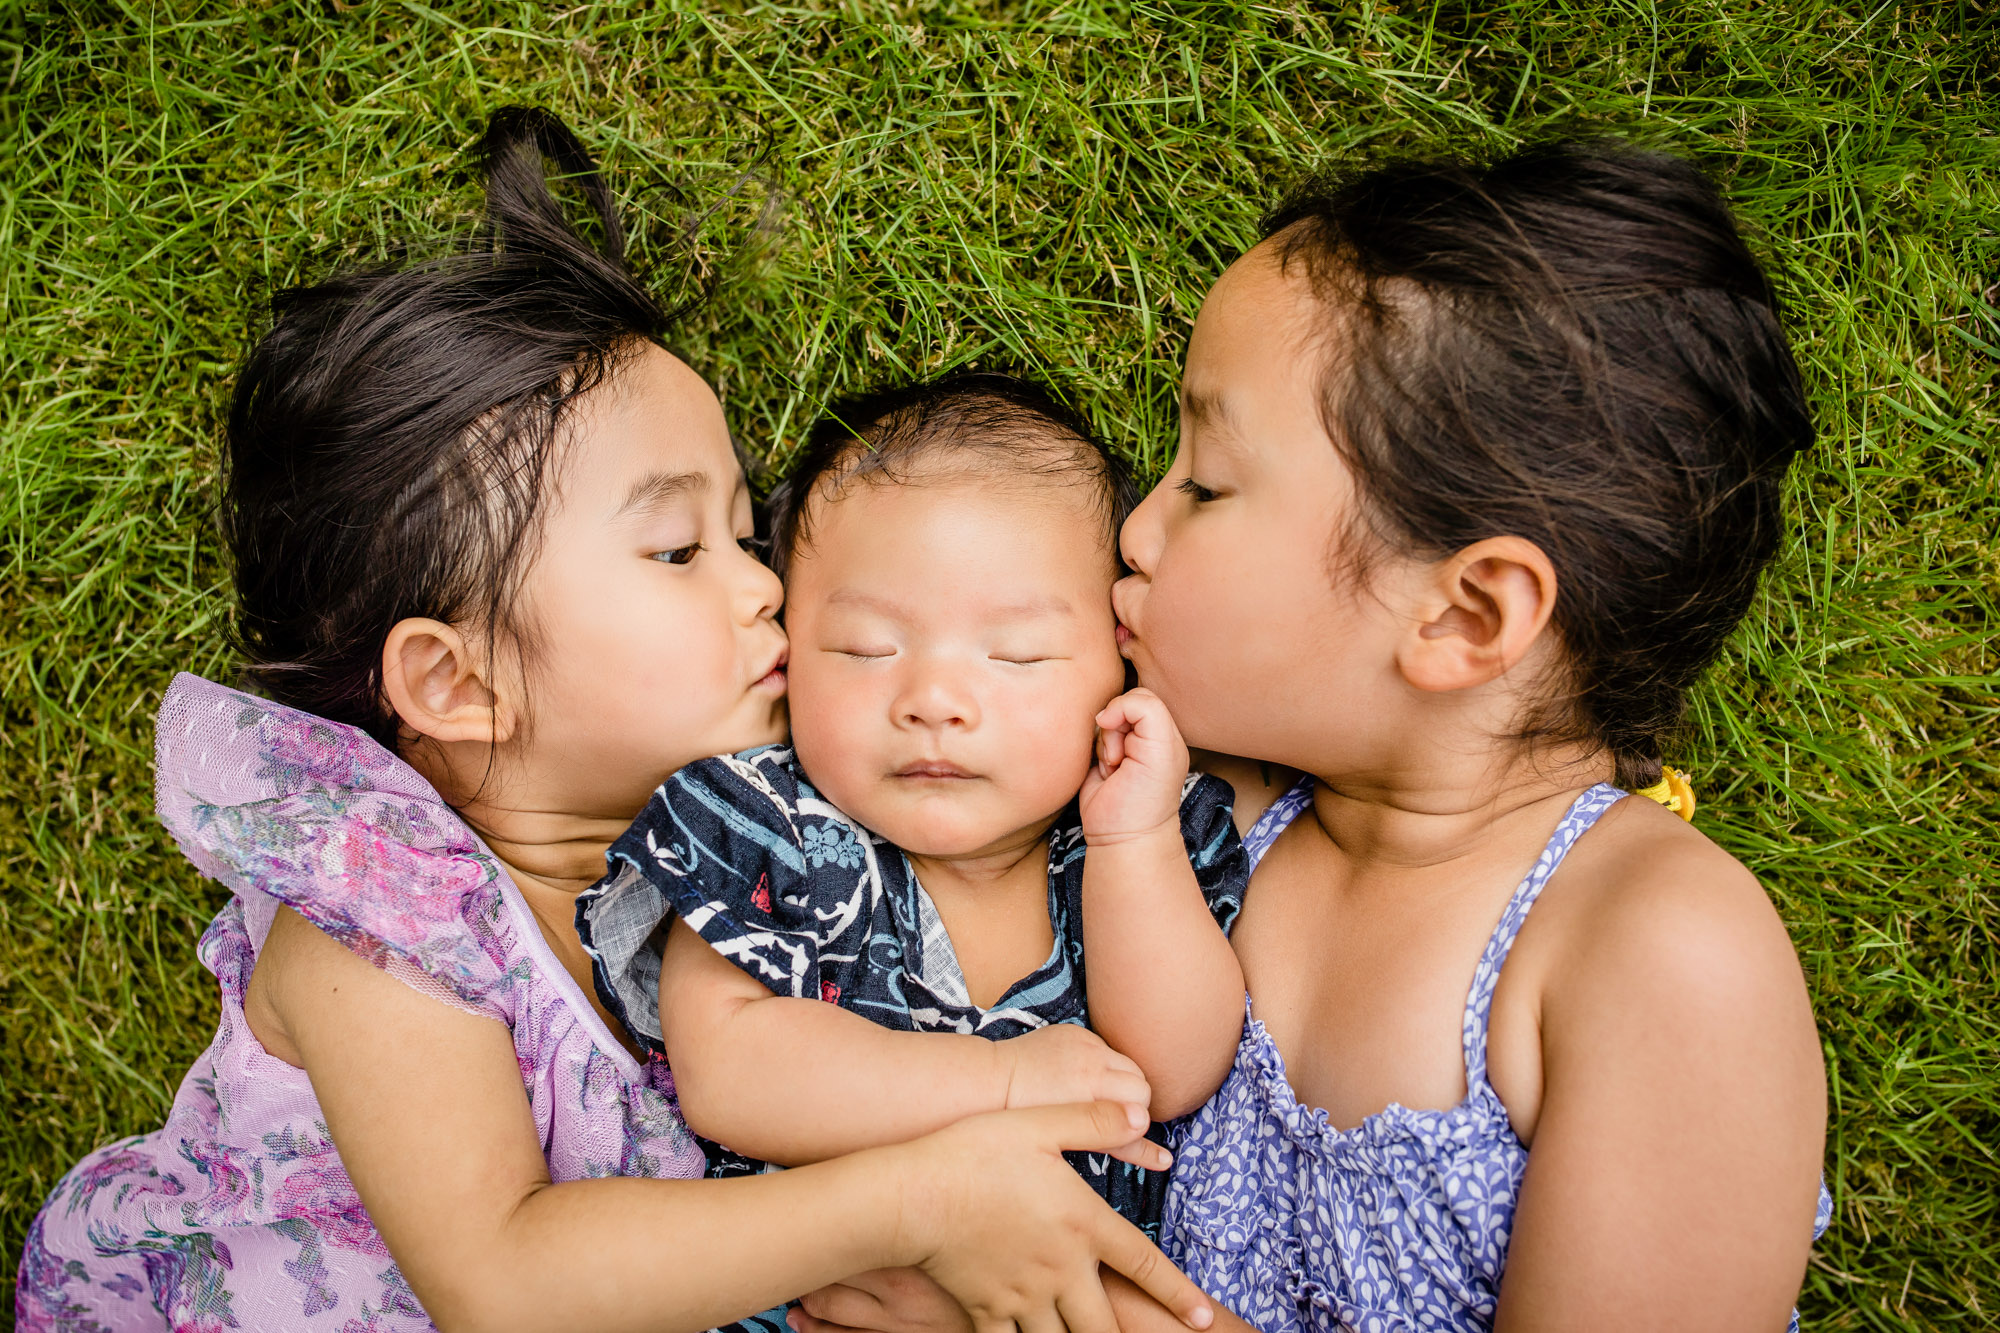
[813,905]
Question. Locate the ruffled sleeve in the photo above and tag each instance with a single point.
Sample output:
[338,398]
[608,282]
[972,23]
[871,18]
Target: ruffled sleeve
[274,802]
[754,860]
[1208,826]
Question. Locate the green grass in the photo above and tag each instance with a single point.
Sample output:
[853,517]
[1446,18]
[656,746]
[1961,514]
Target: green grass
[1059,194]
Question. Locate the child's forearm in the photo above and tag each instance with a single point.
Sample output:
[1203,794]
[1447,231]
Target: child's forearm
[569,1251]
[1165,987]
[793,1081]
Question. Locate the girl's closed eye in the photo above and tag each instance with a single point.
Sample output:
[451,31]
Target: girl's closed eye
[1021,659]
[865,653]
[1195,491]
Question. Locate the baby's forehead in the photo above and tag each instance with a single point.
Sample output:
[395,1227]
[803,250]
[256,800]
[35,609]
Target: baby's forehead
[975,545]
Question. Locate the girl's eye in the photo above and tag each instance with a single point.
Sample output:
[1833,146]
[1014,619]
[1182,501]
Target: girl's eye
[1195,491]
[861,655]
[680,555]
[1019,661]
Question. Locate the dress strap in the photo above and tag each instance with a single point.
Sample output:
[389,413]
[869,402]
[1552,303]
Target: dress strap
[1582,813]
[1277,817]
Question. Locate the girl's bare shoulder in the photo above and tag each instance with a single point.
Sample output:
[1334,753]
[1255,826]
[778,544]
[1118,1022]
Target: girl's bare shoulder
[1649,910]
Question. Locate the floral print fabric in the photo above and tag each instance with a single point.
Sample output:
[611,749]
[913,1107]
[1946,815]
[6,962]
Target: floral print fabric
[813,905]
[237,1213]
[1397,1225]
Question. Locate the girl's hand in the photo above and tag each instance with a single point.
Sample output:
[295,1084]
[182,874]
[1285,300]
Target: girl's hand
[1134,788]
[1066,1063]
[1001,1222]
[888,1300]
[903,1300]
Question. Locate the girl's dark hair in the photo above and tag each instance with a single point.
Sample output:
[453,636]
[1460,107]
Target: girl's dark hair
[393,433]
[1574,346]
[974,420]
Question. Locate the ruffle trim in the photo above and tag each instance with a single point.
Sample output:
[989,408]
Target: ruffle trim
[318,816]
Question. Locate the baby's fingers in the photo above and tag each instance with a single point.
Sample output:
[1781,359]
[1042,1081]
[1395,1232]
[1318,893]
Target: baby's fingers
[1120,1085]
[1110,751]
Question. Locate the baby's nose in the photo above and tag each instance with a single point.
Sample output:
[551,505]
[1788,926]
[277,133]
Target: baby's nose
[933,699]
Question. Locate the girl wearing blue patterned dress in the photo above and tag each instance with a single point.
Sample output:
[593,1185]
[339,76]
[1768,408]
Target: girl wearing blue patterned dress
[1478,469]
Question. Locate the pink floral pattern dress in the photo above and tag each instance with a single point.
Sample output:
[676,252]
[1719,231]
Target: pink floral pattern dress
[237,1213]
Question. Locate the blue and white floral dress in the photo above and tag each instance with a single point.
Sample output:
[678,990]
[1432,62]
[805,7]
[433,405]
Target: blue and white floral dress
[1397,1225]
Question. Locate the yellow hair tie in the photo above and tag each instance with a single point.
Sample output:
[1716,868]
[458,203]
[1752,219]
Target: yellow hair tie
[1672,791]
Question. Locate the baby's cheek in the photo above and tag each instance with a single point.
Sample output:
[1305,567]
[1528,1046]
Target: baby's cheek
[1059,751]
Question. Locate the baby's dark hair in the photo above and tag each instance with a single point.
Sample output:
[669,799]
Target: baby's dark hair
[976,422]
[1575,346]
[393,433]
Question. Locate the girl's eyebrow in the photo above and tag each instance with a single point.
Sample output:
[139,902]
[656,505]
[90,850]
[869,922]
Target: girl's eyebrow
[1201,406]
[656,490]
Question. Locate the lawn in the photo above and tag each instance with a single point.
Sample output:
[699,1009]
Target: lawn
[877,202]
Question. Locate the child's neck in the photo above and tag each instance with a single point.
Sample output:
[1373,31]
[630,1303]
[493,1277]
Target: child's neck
[1450,809]
[994,904]
[560,853]
[1018,857]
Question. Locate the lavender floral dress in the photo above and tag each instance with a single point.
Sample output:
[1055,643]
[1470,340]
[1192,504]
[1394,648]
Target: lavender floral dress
[237,1213]
[1397,1225]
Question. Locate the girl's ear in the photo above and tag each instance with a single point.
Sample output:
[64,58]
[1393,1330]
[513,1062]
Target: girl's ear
[1480,612]
[438,685]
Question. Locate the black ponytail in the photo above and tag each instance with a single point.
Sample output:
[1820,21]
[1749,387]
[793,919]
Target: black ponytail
[393,434]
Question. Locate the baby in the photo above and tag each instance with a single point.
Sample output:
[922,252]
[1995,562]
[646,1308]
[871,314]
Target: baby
[878,929]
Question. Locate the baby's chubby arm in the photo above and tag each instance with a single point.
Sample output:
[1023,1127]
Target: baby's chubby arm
[1165,987]
[794,1081]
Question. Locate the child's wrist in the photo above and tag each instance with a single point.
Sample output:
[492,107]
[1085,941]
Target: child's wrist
[914,1205]
[1166,832]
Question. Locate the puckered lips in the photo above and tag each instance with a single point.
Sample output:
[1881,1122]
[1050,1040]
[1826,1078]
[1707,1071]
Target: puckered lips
[774,678]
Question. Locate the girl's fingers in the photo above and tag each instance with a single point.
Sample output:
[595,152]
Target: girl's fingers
[1089,1126]
[1145,1154]
[802,1322]
[1041,1321]
[1086,1309]
[842,1304]
[1124,1247]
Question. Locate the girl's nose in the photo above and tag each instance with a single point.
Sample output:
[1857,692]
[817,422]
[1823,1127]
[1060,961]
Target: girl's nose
[759,593]
[1139,540]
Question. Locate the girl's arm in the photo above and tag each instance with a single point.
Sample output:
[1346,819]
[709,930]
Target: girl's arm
[793,1081]
[1674,1162]
[424,1104]
[1165,987]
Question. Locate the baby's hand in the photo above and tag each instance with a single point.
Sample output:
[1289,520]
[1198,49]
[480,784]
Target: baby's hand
[1064,1063]
[1134,788]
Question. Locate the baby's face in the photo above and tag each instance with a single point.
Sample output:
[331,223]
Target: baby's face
[952,642]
